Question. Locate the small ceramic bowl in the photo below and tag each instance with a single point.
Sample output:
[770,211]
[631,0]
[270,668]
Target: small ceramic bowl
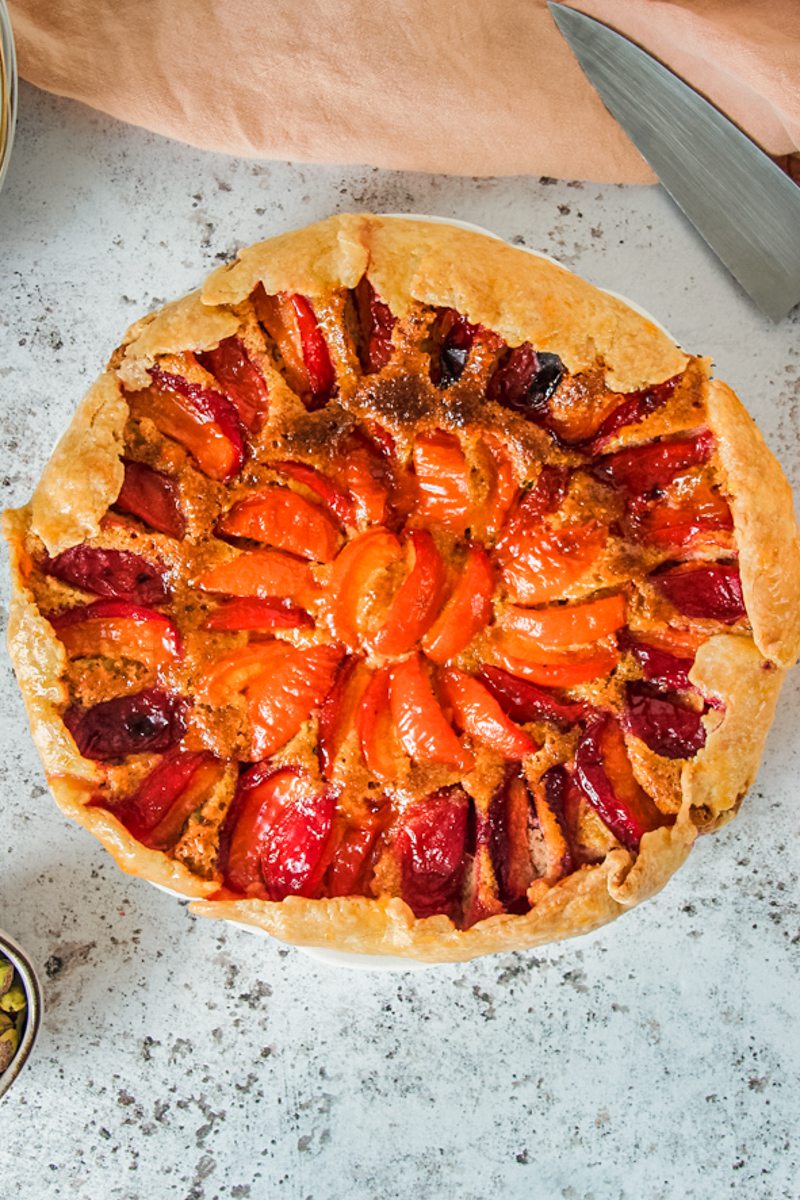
[33,992]
[8,90]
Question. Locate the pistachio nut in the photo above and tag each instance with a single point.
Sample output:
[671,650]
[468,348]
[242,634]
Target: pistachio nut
[6,974]
[9,1040]
[13,1001]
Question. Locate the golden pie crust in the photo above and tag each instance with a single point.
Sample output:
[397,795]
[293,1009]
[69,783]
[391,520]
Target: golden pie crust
[522,298]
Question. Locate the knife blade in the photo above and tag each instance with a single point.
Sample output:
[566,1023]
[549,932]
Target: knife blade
[737,198]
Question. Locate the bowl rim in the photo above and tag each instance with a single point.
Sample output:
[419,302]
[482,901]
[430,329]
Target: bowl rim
[12,950]
[10,88]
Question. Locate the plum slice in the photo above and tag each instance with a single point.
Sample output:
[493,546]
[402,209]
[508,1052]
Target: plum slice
[367,471]
[153,497]
[666,726]
[688,510]
[293,852]
[430,847]
[348,872]
[525,380]
[203,420]
[712,593]
[562,626]
[480,890]
[537,561]
[117,627]
[115,574]
[550,801]
[550,668]
[524,701]
[277,834]
[605,775]
[285,520]
[634,407]
[443,481]
[158,811]
[321,374]
[506,831]
[453,336]
[291,322]
[151,721]
[467,610]
[239,378]
[377,324]
[534,504]
[502,487]
[337,501]
[246,825]
[377,734]
[658,665]
[283,684]
[416,603]
[267,574]
[337,715]
[423,729]
[652,467]
[476,711]
[257,614]
[358,570]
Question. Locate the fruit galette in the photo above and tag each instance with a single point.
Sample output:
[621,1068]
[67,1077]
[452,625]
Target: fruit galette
[402,593]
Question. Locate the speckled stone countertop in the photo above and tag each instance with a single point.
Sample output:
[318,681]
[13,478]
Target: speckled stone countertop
[657,1058]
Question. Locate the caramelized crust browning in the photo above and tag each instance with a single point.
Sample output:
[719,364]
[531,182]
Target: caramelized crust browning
[400,592]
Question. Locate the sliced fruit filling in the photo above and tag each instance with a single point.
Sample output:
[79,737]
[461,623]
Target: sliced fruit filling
[430,847]
[117,574]
[153,497]
[605,775]
[276,834]
[377,325]
[116,628]
[239,379]
[290,322]
[203,420]
[158,811]
[414,638]
[279,517]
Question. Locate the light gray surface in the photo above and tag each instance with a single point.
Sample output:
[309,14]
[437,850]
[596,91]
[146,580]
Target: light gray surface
[657,1058]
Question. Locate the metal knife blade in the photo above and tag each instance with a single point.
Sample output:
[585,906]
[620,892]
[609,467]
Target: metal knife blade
[736,197]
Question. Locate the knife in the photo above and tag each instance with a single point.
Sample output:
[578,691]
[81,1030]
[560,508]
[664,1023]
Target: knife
[736,197]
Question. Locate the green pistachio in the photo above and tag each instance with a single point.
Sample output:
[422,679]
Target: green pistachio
[13,1001]
[8,1048]
[5,1022]
[6,974]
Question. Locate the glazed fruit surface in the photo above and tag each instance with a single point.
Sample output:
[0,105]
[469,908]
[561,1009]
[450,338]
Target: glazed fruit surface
[417,621]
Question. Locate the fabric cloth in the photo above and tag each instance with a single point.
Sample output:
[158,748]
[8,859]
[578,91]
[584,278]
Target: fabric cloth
[469,87]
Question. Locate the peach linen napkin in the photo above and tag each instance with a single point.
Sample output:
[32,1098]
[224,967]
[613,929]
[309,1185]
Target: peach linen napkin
[469,87]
